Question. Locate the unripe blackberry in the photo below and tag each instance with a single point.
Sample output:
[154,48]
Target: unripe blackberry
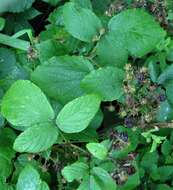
[128,121]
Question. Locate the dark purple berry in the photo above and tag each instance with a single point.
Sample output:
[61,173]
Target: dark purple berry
[141,77]
[162,97]
[128,121]
[123,136]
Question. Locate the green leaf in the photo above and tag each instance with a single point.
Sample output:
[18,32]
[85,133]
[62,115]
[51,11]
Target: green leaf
[36,139]
[60,77]
[153,70]
[10,70]
[14,42]
[52,2]
[166,75]
[50,48]
[75,171]
[97,150]
[87,135]
[103,180]
[107,82]
[24,104]
[43,186]
[15,5]
[169,91]
[163,187]
[149,157]
[77,114]
[7,137]
[29,179]
[165,173]
[5,167]
[81,23]
[137,30]
[166,148]
[132,182]
[106,49]
[83,3]
[2,23]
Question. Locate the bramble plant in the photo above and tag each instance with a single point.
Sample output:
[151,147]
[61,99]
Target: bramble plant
[86,95]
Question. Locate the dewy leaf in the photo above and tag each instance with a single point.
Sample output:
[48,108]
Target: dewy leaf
[29,179]
[164,112]
[107,82]
[60,77]
[77,114]
[75,171]
[15,5]
[98,150]
[111,52]
[137,30]
[81,23]
[24,104]
[36,139]
[103,179]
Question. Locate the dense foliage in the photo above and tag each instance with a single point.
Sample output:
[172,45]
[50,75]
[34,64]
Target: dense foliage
[86,95]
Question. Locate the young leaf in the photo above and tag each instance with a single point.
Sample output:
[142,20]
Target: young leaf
[24,104]
[81,23]
[29,179]
[77,114]
[107,82]
[36,139]
[98,150]
[137,30]
[75,171]
[60,77]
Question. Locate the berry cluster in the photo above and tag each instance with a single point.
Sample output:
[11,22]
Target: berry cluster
[142,97]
